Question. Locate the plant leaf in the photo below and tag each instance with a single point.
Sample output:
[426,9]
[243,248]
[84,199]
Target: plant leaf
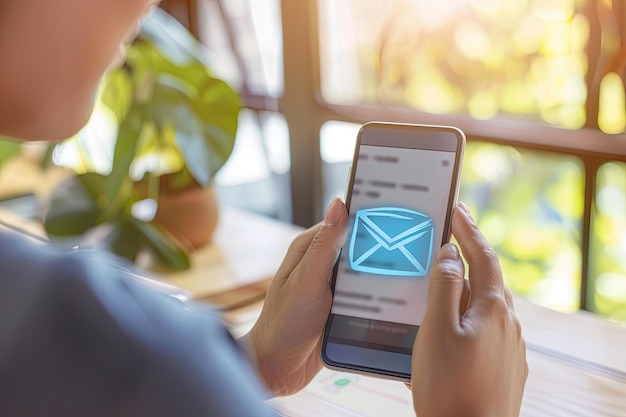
[125,149]
[219,105]
[171,37]
[8,149]
[205,127]
[166,251]
[117,93]
[122,238]
[127,236]
[96,185]
[72,209]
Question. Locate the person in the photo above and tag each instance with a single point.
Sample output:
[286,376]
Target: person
[78,339]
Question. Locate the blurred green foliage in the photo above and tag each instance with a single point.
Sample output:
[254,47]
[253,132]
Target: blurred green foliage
[608,243]
[529,206]
[483,58]
[503,58]
[8,149]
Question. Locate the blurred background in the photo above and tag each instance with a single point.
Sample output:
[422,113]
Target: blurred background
[536,85]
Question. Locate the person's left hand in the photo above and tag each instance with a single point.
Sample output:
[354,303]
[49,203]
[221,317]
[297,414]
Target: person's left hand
[286,338]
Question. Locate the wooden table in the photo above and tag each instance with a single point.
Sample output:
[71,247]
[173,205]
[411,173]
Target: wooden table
[577,368]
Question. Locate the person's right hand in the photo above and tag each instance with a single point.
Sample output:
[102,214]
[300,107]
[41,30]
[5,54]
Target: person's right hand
[469,357]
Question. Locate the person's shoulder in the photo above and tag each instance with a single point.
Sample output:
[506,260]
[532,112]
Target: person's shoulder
[77,306]
[22,261]
[46,287]
[28,267]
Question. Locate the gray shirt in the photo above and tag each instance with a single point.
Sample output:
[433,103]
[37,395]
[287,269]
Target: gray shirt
[78,338]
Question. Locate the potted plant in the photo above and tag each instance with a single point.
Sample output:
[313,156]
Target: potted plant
[176,126]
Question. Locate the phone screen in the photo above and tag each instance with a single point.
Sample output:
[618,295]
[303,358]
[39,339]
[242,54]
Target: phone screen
[400,196]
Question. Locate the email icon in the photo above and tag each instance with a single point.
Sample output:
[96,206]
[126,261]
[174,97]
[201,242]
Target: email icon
[391,241]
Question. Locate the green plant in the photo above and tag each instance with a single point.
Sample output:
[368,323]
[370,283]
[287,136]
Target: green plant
[8,149]
[173,116]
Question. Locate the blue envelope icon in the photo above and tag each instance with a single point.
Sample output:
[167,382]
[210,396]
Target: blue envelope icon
[391,241]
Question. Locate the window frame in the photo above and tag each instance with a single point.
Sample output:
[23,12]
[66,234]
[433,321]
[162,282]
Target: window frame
[305,112]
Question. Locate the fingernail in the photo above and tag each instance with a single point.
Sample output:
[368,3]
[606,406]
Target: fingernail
[333,213]
[449,251]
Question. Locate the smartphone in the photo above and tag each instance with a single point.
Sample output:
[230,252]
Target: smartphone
[402,189]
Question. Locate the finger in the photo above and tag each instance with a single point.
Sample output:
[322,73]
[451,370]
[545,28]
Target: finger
[296,251]
[508,297]
[465,297]
[446,286]
[322,252]
[485,276]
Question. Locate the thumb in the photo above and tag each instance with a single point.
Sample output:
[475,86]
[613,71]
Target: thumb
[319,258]
[446,286]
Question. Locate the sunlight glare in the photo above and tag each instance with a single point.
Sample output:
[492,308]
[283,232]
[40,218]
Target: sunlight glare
[611,117]
[437,14]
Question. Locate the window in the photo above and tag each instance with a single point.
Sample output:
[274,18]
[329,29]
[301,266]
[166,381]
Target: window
[244,47]
[483,58]
[529,205]
[608,249]
[537,86]
[521,58]
[517,64]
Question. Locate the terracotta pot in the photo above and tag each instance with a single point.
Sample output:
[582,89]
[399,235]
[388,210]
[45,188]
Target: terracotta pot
[190,216]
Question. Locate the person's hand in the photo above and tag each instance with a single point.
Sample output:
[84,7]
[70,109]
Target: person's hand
[286,338]
[469,356]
